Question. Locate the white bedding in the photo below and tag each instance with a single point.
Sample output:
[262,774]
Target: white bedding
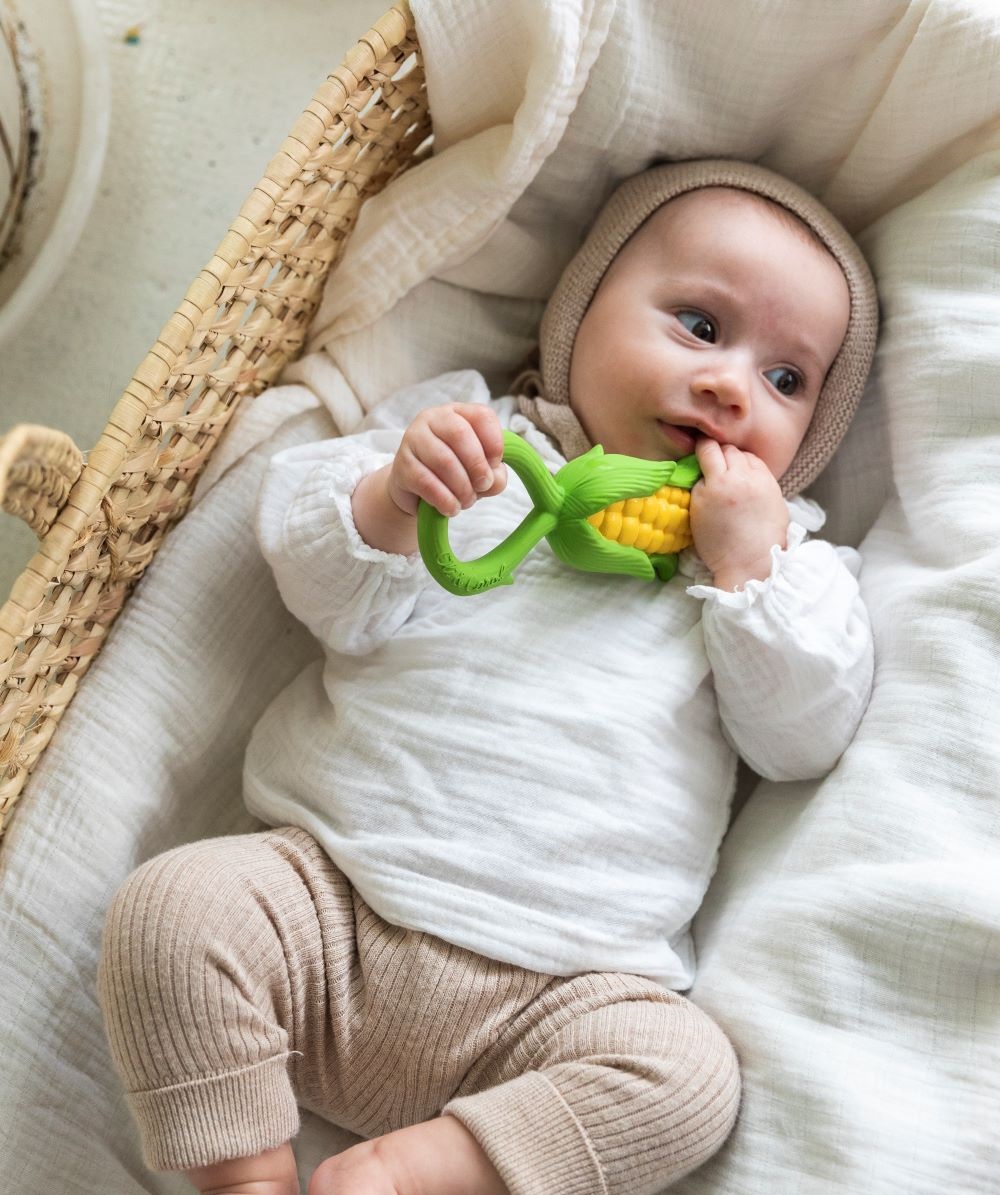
[850,942]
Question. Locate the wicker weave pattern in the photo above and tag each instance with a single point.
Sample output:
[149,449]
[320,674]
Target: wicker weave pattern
[38,467]
[244,317]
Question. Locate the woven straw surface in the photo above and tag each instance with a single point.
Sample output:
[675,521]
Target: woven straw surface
[102,518]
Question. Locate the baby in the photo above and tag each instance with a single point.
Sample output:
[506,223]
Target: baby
[466,936]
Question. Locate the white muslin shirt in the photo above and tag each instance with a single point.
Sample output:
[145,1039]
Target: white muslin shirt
[541,773]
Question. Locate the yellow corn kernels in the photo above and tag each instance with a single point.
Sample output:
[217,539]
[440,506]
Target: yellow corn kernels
[657,524]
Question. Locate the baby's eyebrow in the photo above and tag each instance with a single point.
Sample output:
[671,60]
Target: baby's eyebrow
[804,349]
[703,288]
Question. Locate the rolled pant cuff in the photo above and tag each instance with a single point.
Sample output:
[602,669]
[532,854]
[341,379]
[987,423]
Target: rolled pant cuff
[532,1137]
[233,1115]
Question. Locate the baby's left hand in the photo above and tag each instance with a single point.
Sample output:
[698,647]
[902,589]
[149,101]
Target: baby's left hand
[737,514]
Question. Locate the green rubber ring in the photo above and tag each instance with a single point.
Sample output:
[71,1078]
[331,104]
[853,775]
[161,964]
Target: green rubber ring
[561,505]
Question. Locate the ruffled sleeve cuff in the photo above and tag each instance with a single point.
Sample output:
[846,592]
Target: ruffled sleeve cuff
[802,636]
[350,595]
[343,478]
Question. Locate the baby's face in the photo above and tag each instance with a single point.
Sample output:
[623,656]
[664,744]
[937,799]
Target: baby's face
[715,319]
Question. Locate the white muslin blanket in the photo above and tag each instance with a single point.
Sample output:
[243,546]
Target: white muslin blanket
[850,940]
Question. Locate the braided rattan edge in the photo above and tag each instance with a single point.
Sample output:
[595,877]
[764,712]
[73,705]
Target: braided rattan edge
[243,318]
[38,468]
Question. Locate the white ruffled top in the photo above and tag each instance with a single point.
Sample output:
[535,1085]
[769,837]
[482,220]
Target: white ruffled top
[541,773]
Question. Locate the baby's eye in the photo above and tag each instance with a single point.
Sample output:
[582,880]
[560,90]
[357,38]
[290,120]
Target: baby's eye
[785,381]
[698,325]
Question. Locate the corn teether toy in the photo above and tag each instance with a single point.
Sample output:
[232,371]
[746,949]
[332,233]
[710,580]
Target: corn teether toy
[602,513]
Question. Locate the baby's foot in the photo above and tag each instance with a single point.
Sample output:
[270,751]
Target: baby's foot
[361,1170]
[438,1157]
[270,1173]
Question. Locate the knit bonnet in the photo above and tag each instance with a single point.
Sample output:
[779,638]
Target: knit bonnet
[545,393]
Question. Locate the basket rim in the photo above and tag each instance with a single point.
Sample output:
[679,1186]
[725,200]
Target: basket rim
[103,463]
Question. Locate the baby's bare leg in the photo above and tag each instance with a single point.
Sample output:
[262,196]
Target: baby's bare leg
[269,1173]
[438,1157]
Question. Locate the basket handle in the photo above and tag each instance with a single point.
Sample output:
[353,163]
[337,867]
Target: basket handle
[38,468]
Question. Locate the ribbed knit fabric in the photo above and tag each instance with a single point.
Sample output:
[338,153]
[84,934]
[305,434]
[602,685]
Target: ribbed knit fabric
[243,975]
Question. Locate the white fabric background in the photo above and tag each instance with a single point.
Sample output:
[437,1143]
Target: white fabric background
[850,942]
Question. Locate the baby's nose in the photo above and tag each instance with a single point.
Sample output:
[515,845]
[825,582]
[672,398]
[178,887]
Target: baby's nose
[726,384]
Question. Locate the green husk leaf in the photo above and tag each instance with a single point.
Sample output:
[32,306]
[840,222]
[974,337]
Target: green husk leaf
[580,544]
[596,479]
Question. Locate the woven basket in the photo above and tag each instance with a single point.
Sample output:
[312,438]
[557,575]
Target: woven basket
[101,516]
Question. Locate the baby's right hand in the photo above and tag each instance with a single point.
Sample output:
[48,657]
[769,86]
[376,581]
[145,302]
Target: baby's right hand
[450,456]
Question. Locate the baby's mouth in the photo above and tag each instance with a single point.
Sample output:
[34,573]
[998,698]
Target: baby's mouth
[681,436]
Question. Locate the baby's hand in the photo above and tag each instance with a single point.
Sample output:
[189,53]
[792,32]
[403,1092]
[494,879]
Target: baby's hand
[450,456]
[737,514]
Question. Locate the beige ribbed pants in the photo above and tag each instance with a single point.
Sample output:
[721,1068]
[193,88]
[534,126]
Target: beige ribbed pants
[242,976]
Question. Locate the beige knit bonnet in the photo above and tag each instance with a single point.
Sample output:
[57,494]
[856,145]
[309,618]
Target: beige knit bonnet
[544,396]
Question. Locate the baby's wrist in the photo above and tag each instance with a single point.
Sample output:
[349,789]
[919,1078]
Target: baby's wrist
[379,519]
[735,571]
[732,578]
